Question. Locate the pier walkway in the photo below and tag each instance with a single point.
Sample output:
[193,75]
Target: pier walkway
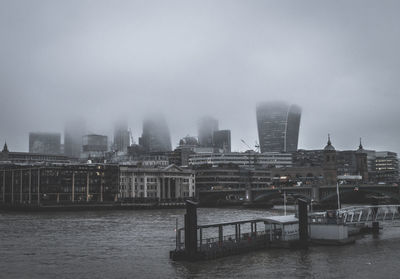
[359,215]
[384,214]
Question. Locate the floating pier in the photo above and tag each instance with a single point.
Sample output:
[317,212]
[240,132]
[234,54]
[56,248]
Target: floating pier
[237,237]
[336,227]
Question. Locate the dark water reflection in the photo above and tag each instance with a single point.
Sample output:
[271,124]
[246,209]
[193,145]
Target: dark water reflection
[135,244]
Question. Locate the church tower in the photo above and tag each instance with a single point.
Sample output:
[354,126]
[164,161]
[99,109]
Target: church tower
[362,163]
[4,153]
[329,165]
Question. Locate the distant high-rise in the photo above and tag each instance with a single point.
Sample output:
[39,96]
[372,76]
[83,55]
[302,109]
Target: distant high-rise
[155,136]
[44,143]
[121,137]
[278,126]
[222,140]
[94,146]
[73,133]
[206,128]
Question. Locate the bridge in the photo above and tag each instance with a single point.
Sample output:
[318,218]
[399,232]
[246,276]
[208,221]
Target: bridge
[316,193]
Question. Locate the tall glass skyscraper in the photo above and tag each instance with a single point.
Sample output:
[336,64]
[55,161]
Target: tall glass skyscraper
[73,136]
[45,143]
[206,128]
[155,136]
[121,136]
[278,126]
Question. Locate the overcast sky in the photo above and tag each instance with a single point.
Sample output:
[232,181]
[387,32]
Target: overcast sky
[106,60]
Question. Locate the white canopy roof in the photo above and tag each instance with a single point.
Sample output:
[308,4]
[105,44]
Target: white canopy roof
[288,219]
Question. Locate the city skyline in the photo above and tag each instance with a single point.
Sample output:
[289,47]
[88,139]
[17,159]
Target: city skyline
[237,144]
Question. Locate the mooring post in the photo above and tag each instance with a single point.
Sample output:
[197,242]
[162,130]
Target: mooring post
[191,228]
[303,222]
[220,234]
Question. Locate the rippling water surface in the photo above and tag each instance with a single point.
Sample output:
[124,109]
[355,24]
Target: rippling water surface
[136,244]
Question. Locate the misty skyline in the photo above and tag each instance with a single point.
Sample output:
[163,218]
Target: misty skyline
[107,60]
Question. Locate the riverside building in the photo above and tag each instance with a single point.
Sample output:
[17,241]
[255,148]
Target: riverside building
[7,156]
[170,182]
[249,158]
[229,176]
[23,184]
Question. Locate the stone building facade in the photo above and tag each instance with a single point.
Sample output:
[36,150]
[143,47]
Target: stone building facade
[171,182]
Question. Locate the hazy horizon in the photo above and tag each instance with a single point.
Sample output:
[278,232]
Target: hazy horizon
[103,61]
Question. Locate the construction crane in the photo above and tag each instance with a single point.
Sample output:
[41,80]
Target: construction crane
[256,150]
[256,146]
[245,143]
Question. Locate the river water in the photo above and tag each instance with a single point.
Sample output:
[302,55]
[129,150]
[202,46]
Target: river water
[136,244]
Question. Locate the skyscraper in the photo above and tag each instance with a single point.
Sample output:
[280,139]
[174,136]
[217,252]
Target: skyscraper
[44,143]
[73,133]
[206,128]
[121,137]
[94,146]
[278,126]
[222,140]
[155,136]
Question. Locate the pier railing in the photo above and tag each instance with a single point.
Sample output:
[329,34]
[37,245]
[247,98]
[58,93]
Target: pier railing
[374,213]
[229,240]
[223,241]
[357,215]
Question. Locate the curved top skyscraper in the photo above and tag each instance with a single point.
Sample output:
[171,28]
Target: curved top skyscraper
[278,126]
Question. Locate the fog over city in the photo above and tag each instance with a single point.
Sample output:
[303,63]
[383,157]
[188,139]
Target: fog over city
[108,60]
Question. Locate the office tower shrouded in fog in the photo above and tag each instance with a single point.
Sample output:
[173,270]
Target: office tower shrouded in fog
[73,133]
[206,128]
[94,143]
[222,140]
[121,137]
[278,126]
[45,143]
[155,136]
